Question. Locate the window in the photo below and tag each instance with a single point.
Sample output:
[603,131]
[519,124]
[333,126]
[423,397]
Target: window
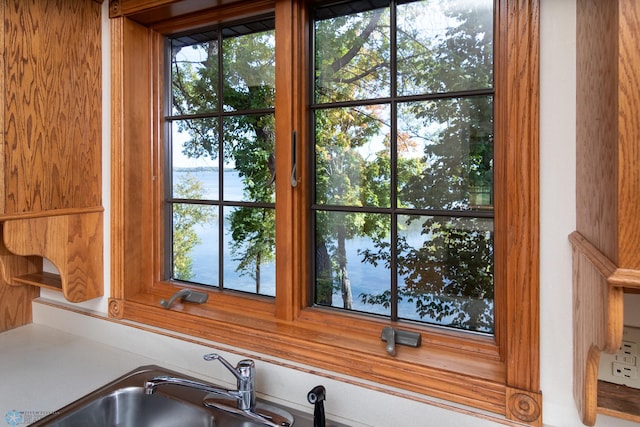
[403,160]
[221,153]
[486,212]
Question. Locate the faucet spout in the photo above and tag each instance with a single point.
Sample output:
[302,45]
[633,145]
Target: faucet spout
[151,386]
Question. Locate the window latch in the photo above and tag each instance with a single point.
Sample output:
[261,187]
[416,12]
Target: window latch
[394,336]
[294,166]
[188,295]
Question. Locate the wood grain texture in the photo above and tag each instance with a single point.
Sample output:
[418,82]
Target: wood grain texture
[517,205]
[41,279]
[50,93]
[133,223]
[597,317]
[73,243]
[15,305]
[619,401]
[629,135]
[15,301]
[52,105]
[149,12]
[597,124]
[606,259]
[285,116]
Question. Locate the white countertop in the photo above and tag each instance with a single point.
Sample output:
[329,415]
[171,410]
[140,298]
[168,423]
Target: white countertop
[43,369]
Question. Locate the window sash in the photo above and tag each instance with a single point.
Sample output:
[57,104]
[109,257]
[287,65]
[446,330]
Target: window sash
[499,375]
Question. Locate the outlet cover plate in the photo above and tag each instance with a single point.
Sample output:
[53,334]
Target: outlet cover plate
[623,367]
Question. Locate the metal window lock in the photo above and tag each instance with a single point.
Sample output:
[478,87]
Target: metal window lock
[187,295]
[393,336]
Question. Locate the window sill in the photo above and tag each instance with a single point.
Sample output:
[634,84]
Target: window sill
[469,374]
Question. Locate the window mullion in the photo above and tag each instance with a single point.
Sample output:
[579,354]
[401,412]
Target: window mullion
[286,231]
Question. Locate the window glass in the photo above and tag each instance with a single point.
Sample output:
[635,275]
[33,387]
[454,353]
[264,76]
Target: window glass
[444,46]
[445,153]
[403,146]
[352,56]
[194,75]
[221,145]
[352,156]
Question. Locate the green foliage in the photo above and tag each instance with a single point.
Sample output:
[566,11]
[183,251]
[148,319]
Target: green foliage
[444,154]
[246,140]
[185,218]
[441,156]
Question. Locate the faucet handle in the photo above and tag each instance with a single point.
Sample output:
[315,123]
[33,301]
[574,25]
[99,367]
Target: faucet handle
[244,371]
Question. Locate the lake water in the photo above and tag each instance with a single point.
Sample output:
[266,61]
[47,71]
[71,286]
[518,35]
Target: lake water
[365,278]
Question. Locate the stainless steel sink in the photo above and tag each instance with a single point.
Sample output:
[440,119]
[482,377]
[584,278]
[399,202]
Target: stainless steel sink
[123,403]
[130,407]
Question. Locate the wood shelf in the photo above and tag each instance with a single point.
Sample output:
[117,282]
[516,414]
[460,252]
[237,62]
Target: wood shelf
[42,280]
[619,401]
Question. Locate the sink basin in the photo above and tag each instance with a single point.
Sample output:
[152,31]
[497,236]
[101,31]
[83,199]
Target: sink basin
[130,407]
[123,403]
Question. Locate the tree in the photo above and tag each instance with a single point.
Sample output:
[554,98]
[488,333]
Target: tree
[447,273]
[350,65]
[444,151]
[185,218]
[244,141]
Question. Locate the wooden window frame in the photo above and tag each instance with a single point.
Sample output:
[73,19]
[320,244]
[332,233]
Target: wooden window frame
[498,374]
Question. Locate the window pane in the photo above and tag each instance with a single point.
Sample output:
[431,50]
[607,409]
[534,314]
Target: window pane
[224,161]
[445,46]
[194,75]
[195,243]
[352,57]
[352,156]
[445,271]
[249,150]
[195,153]
[345,273]
[249,250]
[249,71]
[413,130]
[445,153]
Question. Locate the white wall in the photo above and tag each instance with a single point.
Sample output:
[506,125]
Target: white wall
[557,185]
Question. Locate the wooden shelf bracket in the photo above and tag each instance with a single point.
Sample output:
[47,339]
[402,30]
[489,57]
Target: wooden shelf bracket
[73,242]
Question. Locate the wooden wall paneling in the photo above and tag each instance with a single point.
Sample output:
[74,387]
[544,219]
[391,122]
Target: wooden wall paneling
[52,105]
[596,127]
[629,134]
[606,244]
[15,305]
[51,97]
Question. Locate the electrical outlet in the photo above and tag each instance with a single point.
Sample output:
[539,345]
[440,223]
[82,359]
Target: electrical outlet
[623,366]
[621,370]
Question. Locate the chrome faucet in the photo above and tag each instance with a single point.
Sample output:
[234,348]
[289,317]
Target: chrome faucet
[244,396]
[245,373]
